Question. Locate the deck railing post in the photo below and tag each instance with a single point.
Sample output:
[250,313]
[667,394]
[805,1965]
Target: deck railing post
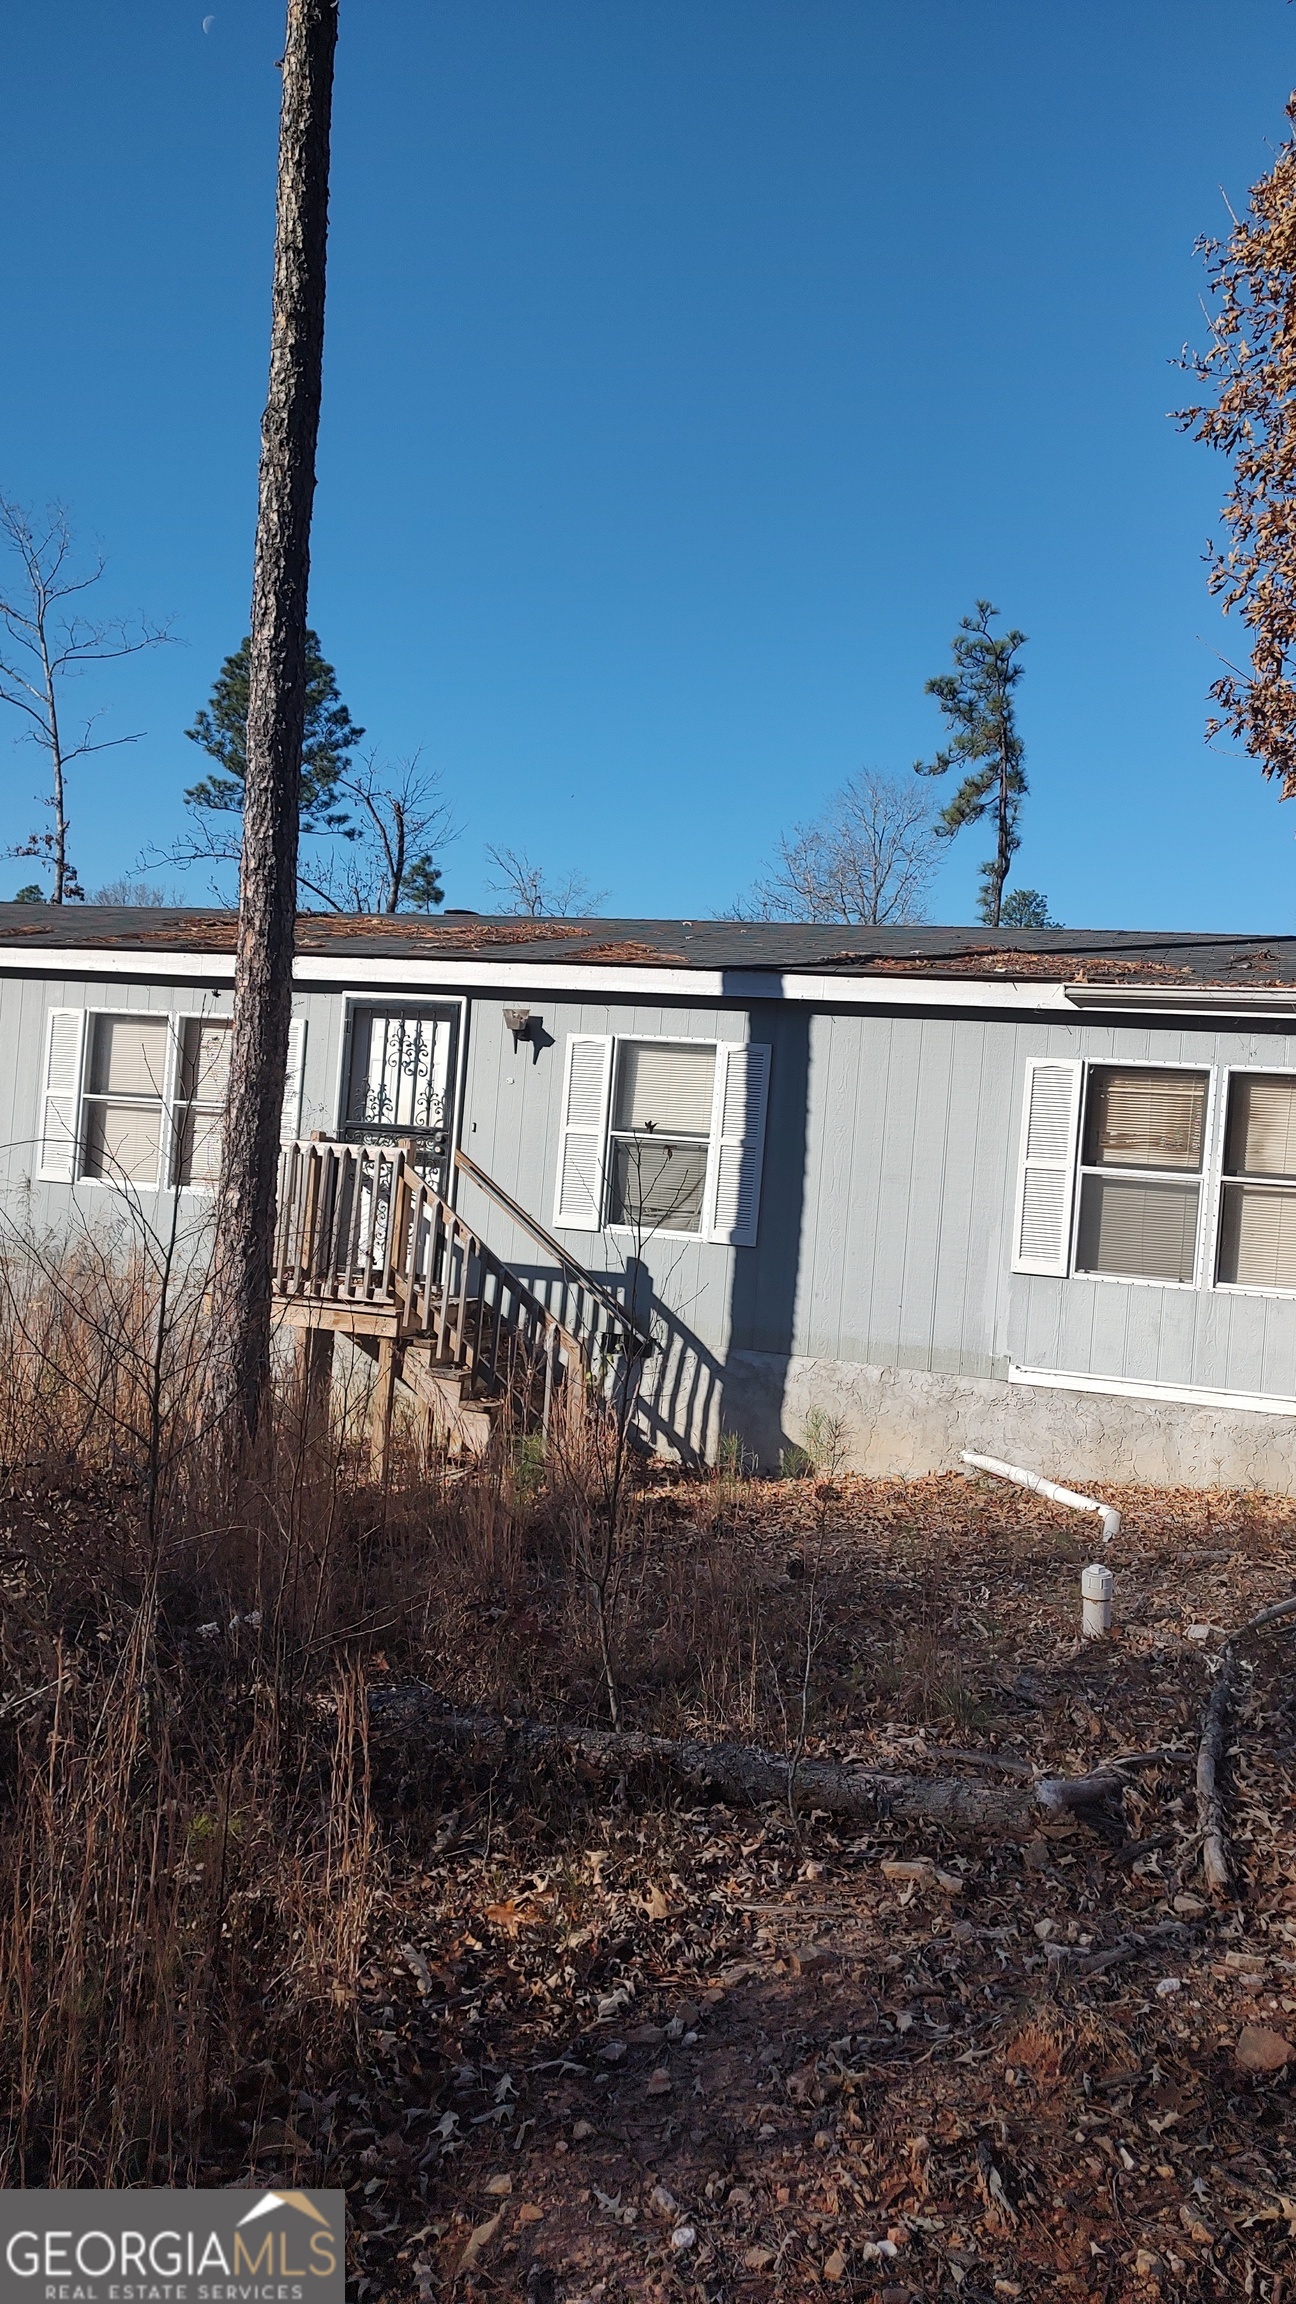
[380,1409]
[315,1380]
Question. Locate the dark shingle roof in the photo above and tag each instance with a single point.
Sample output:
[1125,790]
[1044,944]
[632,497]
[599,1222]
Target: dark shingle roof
[1057,955]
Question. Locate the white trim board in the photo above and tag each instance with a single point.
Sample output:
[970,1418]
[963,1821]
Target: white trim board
[1136,1388]
[700,987]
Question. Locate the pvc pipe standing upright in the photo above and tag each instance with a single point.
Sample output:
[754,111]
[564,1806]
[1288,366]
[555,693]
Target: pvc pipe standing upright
[1096,1601]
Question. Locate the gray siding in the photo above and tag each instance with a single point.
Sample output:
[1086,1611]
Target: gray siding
[910,1186]
[886,1208]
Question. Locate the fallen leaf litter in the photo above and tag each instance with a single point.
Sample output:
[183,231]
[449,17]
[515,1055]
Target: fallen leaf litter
[740,2053]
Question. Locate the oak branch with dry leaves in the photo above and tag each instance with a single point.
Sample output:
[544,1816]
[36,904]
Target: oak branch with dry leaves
[1247,410]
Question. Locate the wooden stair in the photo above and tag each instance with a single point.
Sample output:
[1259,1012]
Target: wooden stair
[457,1422]
[366,1248]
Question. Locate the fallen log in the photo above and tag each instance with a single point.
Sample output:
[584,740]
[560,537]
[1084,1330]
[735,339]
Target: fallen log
[1217,1865]
[414,1717]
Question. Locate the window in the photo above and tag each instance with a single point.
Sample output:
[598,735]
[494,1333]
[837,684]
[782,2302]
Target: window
[662,1136]
[1112,1160]
[1257,1234]
[124,1107]
[1140,1192]
[137,1099]
[204,1086]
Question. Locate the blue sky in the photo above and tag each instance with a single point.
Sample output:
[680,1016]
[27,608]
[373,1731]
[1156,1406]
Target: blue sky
[691,367]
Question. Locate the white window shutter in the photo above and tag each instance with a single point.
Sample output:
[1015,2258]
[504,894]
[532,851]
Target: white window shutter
[61,1095]
[578,1202]
[290,1117]
[1046,1184]
[738,1141]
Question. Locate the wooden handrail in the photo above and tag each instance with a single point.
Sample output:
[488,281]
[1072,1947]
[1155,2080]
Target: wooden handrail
[358,1224]
[575,1272]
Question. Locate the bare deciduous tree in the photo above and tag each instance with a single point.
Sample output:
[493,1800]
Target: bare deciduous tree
[275,721]
[532,893]
[388,862]
[139,895]
[46,643]
[869,858]
[1248,412]
[380,858]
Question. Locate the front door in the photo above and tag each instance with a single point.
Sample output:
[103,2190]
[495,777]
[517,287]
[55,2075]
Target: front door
[401,1083]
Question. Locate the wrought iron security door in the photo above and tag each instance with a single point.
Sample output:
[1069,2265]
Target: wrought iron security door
[401,1083]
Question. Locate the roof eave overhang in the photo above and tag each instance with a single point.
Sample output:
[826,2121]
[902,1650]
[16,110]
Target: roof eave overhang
[486,972]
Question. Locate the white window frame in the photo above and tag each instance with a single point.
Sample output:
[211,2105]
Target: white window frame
[1205,1175]
[167,1101]
[172,1103]
[1208,1177]
[178,1105]
[613,1135]
[715,1140]
[1222,1178]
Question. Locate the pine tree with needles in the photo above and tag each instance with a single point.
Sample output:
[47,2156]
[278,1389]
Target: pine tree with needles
[329,737]
[976,699]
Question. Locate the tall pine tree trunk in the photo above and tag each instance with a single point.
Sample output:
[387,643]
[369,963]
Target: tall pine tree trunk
[276,711]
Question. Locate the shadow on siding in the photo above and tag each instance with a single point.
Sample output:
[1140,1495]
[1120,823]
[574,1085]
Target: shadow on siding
[694,1392]
[763,1292]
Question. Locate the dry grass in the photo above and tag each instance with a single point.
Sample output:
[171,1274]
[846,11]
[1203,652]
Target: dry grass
[188,1852]
[207,1905]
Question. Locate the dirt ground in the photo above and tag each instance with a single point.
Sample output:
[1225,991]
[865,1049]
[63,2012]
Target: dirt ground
[629,2044]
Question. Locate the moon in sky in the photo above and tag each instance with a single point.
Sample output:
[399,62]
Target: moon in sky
[208,22]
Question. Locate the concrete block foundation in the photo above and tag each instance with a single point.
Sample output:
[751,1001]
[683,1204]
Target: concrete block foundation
[906,1421]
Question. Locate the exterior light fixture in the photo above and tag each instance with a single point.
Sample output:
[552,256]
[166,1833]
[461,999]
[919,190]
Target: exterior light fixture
[519,1022]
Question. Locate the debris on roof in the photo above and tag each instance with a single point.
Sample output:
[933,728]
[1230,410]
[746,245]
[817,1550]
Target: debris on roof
[1046,955]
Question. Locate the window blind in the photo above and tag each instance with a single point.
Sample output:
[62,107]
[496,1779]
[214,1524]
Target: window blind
[204,1071]
[128,1056]
[1137,1229]
[1257,1237]
[666,1089]
[1261,1134]
[656,1185]
[122,1141]
[1144,1118]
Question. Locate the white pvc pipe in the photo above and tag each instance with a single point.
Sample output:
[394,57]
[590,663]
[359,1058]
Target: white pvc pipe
[1107,1513]
[1096,1601]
